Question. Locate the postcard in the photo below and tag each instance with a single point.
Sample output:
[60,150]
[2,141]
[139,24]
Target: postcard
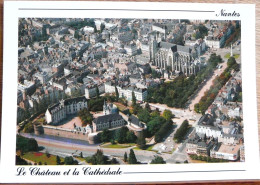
[128,92]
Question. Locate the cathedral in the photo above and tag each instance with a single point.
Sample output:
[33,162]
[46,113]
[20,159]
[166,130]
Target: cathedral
[174,58]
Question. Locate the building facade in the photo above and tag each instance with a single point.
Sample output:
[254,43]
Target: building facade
[61,110]
[91,91]
[126,92]
[108,122]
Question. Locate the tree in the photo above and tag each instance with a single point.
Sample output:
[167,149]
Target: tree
[97,91]
[121,135]
[96,104]
[32,145]
[131,137]
[197,108]
[147,107]
[141,143]
[144,115]
[185,21]
[28,128]
[179,40]
[202,31]
[48,154]
[154,125]
[85,116]
[114,161]
[133,99]
[167,114]
[97,158]
[76,93]
[117,94]
[159,135]
[20,161]
[26,144]
[181,132]
[158,160]
[125,157]
[102,27]
[155,74]
[105,136]
[58,161]
[231,61]
[76,34]
[155,113]
[136,108]
[132,159]
[70,161]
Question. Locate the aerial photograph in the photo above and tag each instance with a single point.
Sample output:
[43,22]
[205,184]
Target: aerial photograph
[105,91]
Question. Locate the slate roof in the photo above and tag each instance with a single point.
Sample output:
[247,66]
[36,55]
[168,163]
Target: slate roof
[174,47]
[67,102]
[74,100]
[108,118]
[134,120]
[207,119]
[166,45]
[131,88]
[185,49]
[53,107]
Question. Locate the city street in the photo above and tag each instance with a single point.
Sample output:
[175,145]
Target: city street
[64,149]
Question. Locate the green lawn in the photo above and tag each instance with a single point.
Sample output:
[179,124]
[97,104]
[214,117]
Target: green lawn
[41,157]
[169,81]
[234,55]
[148,148]
[118,145]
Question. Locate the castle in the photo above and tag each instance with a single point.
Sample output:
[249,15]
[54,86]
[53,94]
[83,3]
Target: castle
[110,119]
[61,110]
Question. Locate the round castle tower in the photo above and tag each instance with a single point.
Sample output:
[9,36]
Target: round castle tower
[38,129]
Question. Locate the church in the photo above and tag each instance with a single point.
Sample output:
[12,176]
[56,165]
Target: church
[174,58]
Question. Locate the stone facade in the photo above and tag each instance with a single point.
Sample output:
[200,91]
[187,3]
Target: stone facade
[108,122]
[61,110]
[77,134]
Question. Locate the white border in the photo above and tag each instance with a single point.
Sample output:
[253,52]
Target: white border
[247,17]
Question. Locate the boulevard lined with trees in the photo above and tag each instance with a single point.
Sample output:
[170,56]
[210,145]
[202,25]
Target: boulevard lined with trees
[177,92]
[218,83]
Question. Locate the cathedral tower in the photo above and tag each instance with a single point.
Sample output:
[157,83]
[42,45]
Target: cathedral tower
[152,48]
